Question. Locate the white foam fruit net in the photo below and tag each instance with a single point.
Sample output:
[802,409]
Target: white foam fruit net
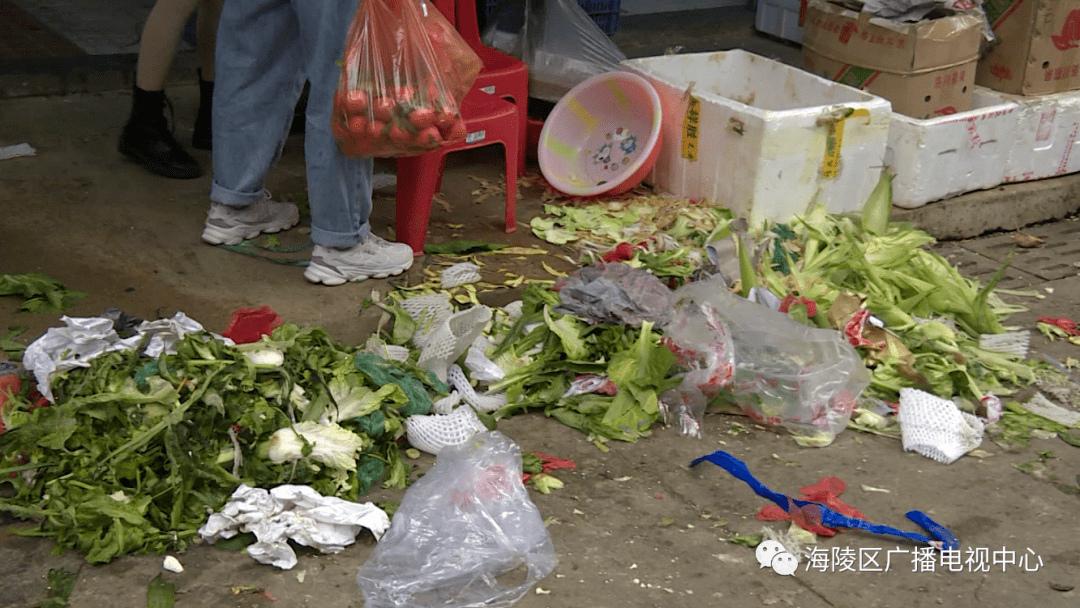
[442,335]
[460,274]
[936,428]
[481,403]
[435,432]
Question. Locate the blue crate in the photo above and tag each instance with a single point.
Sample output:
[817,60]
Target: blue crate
[605,13]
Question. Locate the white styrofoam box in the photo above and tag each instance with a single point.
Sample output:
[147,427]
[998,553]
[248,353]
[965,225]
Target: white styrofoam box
[940,157]
[780,18]
[766,135]
[1046,133]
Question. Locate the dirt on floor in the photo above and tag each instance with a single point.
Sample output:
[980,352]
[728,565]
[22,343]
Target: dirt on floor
[634,526]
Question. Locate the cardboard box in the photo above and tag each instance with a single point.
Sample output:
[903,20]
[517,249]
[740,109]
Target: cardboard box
[1038,48]
[925,69]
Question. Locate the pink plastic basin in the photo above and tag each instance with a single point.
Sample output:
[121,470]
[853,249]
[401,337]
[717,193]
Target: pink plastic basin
[603,137]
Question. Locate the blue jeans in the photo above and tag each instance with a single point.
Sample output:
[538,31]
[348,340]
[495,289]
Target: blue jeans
[265,50]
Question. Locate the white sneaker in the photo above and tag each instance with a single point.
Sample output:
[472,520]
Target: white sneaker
[375,258]
[230,225]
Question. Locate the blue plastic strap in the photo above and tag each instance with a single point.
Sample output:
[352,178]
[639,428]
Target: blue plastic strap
[830,518]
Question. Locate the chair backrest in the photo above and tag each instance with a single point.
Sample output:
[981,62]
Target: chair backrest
[462,15]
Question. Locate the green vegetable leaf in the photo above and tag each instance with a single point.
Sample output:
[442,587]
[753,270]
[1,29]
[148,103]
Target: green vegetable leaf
[461,247]
[748,540]
[569,329]
[41,293]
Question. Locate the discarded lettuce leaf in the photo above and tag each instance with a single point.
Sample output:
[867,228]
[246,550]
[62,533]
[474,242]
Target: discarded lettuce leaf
[461,247]
[747,540]
[41,293]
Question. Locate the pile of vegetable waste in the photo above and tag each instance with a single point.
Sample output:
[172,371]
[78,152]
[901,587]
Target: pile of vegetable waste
[136,451]
[915,319]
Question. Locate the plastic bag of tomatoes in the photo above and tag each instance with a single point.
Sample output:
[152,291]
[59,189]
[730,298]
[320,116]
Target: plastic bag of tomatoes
[405,73]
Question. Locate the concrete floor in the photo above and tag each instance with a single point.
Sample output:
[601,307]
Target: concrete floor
[635,527]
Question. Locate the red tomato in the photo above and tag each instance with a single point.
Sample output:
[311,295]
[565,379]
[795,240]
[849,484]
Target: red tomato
[429,137]
[375,129]
[358,126]
[404,93]
[446,117]
[399,135]
[356,101]
[422,118]
[383,108]
[457,131]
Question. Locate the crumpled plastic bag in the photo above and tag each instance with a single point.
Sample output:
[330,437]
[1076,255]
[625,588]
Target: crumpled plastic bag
[460,527]
[616,294]
[913,10]
[910,11]
[85,338]
[296,513]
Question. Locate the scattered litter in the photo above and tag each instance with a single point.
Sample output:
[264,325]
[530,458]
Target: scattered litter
[17,151]
[936,428]
[390,352]
[816,514]
[782,372]
[481,368]
[990,409]
[300,576]
[296,513]
[383,180]
[436,432]
[1041,406]
[463,524]
[172,564]
[826,491]
[866,488]
[40,292]
[443,335]
[85,338]
[729,559]
[1068,326]
[792,540]
[486,403]
[250,324]
[616,294]
[460,274]
[980,454]
[462,247]
[1014,343]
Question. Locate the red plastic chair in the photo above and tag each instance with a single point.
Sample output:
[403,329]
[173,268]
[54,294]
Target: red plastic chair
[502,75]
[489,120]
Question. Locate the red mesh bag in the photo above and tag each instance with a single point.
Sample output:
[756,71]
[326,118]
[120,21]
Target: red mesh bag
[405,73]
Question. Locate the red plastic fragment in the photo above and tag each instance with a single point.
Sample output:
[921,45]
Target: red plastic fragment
[791,299]
[249,325]
[1068,325]
[827,492]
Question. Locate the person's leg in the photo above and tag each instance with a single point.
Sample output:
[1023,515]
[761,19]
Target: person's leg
[258,76]
[146,138]
[160,36]
[339,188]
[209,13]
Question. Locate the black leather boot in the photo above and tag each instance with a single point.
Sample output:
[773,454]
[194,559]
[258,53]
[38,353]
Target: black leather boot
[202,138]
[146,139]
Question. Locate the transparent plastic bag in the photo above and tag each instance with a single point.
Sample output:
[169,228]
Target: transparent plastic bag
[460,528]
[405,73]
[803,378]
[563,47]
